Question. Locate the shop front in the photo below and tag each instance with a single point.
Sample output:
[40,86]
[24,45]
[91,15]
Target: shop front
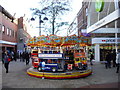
[104,45]
[5,45]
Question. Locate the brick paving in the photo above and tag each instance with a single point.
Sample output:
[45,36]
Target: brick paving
[106,85]
[0,75]
[17,78]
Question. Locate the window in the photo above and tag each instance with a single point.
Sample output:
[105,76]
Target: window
[14,33]
[86,11]
[10,32]
[3,28]
[7,31]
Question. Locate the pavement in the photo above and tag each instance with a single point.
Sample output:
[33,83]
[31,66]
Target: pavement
[18,78]
[0,75]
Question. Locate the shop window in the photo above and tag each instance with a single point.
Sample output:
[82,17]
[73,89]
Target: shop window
[12,33]
[3,29]
[7,31]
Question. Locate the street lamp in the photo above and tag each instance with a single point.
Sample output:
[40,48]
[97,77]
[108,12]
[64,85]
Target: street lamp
[40,21]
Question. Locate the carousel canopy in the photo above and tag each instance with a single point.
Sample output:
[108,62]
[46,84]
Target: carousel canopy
[54,40]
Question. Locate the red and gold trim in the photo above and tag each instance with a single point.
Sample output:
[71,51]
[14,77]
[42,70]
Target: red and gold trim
[66,75]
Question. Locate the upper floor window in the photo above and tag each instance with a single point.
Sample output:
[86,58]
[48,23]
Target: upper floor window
[86,11]
[10,32]
[3,29]
[14,33]
[7,31]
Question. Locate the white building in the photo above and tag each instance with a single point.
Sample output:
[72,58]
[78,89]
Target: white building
[104,18]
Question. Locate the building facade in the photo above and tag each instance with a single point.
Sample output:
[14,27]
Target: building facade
[23,35]
[103,24]
[8,31]
[13,32]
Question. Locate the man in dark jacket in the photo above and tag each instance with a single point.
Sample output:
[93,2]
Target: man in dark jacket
[113,55]
[27,56]
[108,60]
[91,58]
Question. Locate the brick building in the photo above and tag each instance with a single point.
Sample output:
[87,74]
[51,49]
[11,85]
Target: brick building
[13,32]
[22,34]
[8,31]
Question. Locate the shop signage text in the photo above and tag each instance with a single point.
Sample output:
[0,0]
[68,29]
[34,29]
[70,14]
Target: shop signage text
[105,40]
[41,55]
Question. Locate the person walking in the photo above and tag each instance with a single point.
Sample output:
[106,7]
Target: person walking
[3,54]
[15,56]
[108,60]
[113,55]
[27,56]
[91,58]
[12,55]
[118,61]
[6,61]
[20,56]
[23,56]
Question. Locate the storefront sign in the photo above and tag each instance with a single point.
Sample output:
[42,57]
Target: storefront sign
[41,55]
[107,30]
[110,18]
[6,42]
[105,40]
[99,5]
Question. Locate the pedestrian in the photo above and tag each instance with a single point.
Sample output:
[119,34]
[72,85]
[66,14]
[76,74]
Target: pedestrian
[91,58]
[12,55]
[27,56]
[20,56]
[23,56]
[108,60]
[118,61]
[3,54]
[114,58]
[6,61]
[15,56]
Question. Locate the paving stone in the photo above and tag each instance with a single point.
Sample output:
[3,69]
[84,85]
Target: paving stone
[18,78]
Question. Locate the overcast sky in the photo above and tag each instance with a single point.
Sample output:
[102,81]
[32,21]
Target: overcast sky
[21,7]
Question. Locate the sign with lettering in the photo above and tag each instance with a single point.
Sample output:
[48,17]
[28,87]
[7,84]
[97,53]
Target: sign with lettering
[105,40]
[44,55]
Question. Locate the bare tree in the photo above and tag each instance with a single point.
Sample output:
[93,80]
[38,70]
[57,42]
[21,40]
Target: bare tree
[53,10]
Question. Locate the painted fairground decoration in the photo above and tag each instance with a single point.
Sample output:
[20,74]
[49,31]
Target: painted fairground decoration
[54,40]
[52,54]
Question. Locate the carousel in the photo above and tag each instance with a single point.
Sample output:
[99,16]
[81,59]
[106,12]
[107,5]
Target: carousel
[55,57]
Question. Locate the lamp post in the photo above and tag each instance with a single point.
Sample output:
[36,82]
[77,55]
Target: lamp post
[40,21]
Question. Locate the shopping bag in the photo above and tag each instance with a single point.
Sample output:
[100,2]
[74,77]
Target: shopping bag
[9,59]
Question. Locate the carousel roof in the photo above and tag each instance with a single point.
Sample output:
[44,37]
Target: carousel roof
[54,40]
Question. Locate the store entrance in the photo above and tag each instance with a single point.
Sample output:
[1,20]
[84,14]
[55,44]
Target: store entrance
[104,48]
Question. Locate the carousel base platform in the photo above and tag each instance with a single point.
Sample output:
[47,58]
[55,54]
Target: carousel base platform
[59,75]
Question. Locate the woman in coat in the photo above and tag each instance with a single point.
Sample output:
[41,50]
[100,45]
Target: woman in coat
[6,61]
